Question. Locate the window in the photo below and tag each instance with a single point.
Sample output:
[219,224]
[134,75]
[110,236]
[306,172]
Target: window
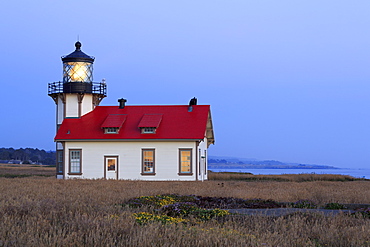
[60,161]
[148,130]
[75,162]
[111,130]
[185,162]
[113,123]
[149,123]
[111,165]
[77,72]
[148,162]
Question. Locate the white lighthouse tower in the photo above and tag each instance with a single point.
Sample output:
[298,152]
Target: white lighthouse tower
[76,95]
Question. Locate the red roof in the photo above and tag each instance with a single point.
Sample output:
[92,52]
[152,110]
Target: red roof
[114,121]
[150,120]
[172,122]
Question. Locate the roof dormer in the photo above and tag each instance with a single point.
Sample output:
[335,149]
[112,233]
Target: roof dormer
[149,123]
[113,123]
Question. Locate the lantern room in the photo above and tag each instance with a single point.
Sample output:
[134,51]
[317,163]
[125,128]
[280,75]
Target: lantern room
[77,66]
[77,71]
[78,76]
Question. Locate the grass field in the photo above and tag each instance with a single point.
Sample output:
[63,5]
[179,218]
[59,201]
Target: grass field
[42,211]
[15,170]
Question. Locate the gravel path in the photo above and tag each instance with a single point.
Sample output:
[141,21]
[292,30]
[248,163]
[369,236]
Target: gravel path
[285,211]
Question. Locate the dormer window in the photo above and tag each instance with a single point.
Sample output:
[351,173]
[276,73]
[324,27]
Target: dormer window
[111,130]
[113,123]
[149,123]
[148,130]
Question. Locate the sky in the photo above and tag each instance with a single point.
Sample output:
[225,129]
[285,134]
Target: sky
[286,80]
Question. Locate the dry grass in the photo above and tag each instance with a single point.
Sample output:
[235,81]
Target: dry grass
[304,177]
[15,170]
[50,212]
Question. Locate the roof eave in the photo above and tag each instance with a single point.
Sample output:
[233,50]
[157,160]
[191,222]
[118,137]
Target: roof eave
[128,140]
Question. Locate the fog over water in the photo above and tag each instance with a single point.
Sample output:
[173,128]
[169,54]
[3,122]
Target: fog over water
[358,173]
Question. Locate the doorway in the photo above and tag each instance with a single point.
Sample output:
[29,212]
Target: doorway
[111,167]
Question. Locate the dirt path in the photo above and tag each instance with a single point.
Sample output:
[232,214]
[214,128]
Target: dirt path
[286,211]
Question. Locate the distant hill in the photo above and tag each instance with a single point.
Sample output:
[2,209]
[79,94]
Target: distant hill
[27,156]
[219,162]
[37,156]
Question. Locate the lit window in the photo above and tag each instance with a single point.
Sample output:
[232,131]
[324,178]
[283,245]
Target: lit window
[148,162]
[77,72]
[111,164]
[75,161]
[185,162]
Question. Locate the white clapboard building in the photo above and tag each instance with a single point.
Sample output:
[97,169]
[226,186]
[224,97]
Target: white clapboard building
[141,142]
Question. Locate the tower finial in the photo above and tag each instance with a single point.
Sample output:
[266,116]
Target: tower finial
[78,45]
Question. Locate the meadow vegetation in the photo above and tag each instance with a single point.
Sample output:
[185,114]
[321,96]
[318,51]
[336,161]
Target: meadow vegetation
[43,211]
[304,177]
[22,171]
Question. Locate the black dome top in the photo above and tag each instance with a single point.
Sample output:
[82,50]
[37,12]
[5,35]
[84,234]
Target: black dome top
[78,55]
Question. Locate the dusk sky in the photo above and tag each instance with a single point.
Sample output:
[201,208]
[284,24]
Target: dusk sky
[286,80]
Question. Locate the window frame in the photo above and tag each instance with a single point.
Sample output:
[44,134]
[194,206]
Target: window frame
[143,165]
[116,157]
[70,162]
[190,173]
[111,130]
[60,162]
[148,130]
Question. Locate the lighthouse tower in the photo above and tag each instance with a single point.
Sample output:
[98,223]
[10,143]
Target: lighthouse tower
[76,95]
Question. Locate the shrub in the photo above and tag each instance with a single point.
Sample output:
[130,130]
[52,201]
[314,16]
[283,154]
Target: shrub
[158,201]
[175,212]
[145,218]
[207,214]
[180,209]
[364,212]
[334,205]
[304,204]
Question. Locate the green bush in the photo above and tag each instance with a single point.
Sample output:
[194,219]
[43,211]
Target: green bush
[334,205]
[304,204]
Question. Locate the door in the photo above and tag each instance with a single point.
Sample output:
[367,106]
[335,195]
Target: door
[111,167]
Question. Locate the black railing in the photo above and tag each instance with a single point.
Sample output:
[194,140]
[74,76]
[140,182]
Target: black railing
[77,87]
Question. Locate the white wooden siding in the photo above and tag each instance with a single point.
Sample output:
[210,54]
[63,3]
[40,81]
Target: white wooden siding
[71,105]
[129,162]
[60,110]
[202,172]
[87,104]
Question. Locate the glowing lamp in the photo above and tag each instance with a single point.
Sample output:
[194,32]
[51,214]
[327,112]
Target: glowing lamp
[77,71]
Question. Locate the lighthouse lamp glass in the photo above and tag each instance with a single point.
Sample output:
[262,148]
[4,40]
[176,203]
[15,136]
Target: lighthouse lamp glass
[77,72]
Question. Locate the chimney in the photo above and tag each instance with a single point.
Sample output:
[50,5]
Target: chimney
[192,102]
[122,102]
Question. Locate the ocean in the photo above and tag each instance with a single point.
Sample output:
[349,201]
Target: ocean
[358,173]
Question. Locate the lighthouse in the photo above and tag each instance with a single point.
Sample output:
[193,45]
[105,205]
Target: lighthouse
[76,94]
